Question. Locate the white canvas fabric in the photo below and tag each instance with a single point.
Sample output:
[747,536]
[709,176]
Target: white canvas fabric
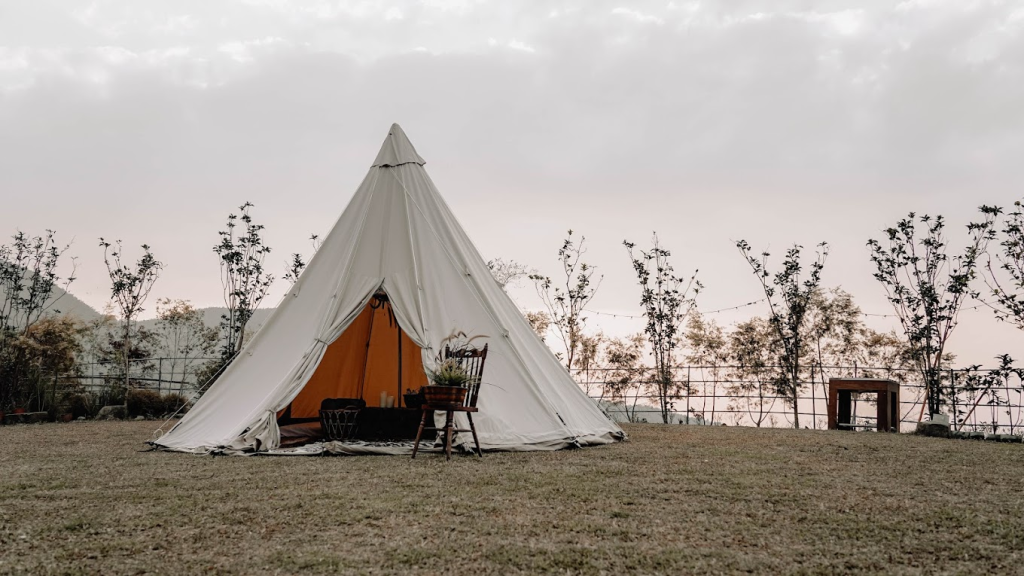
[397,234]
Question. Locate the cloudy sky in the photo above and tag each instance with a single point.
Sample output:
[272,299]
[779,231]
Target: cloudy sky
[775,122]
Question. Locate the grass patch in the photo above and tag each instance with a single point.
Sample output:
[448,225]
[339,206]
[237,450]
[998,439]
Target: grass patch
[82,498]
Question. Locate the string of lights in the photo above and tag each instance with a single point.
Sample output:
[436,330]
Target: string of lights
[637,317]
[735,307]
[612,314]
[755,302]
[897,315]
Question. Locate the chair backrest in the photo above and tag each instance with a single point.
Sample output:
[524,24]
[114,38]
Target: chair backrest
[472,361]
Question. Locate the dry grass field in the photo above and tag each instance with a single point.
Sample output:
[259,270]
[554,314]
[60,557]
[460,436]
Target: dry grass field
[81,498]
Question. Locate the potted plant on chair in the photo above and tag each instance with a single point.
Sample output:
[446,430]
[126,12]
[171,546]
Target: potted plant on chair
[448,384]
[454,388]
[449,380]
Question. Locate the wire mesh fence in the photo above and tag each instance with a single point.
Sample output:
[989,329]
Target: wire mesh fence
[977,399]
[164,375]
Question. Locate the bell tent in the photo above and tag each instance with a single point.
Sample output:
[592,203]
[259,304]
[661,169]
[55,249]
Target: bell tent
[397,240]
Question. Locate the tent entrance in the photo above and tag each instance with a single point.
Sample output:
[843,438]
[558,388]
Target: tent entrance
[372,356]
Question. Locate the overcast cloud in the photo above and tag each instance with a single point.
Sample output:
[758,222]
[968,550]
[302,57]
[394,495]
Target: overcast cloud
[708,122]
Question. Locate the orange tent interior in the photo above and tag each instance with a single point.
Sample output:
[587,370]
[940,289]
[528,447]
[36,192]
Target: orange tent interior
[362,363]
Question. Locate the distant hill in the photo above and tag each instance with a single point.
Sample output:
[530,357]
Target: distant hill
[211,317]
[62,302]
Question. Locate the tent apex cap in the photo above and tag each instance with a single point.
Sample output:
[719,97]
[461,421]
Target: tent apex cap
[397,150]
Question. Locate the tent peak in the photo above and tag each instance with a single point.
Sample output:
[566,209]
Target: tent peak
[397,150]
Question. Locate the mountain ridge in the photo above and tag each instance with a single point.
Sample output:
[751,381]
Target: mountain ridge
[62,302]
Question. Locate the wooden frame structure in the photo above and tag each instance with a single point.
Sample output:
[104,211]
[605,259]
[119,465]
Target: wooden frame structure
[840,402]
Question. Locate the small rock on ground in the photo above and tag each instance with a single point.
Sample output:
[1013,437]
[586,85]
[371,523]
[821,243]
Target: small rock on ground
[110,413]
[933,428]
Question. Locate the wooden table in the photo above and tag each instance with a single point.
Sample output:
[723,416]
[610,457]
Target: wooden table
[840,402]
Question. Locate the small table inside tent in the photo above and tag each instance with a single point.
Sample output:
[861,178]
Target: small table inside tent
[840,403]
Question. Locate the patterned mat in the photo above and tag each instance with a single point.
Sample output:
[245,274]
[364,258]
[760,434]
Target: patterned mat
[357,447]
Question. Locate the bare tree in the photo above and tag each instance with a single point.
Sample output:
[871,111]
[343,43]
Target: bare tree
[243,277]
[927,288]
[28,277]
[753,346]
[298,263]
[886,355]
[625,372]
[1005,277]
[789,298]
[507,272]
[588,359]
[709,350]
[539,321]
[667,299]
[186,337]
[833,330]
[129,288]
[566,302]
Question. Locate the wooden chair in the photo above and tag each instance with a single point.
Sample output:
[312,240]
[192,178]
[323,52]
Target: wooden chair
[472,361]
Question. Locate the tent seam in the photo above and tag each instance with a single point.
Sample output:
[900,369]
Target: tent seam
[331,310]
[490,312]
[415,263]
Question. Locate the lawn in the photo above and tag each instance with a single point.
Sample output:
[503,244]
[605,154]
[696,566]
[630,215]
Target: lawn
[83,498]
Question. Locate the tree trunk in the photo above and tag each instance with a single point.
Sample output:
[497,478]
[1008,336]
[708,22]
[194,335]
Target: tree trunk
[666,388]
[125,350]
[796,397]
[934,391]
[714,393]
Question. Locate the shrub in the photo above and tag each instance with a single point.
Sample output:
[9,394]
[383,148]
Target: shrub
[210,371]
[172,402]
[112,394]
[145,403]
[80,404]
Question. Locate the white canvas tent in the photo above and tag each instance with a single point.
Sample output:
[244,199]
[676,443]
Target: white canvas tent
[397,234]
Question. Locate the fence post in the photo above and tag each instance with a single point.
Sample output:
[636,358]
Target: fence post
[689,391]
[714,394]
[160,376]
[952,392]
[814,402]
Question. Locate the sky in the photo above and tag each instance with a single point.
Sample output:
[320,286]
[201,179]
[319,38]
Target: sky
[778,123]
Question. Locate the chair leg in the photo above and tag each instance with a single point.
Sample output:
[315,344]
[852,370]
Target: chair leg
[472,428]
[419,433]
[449,431]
